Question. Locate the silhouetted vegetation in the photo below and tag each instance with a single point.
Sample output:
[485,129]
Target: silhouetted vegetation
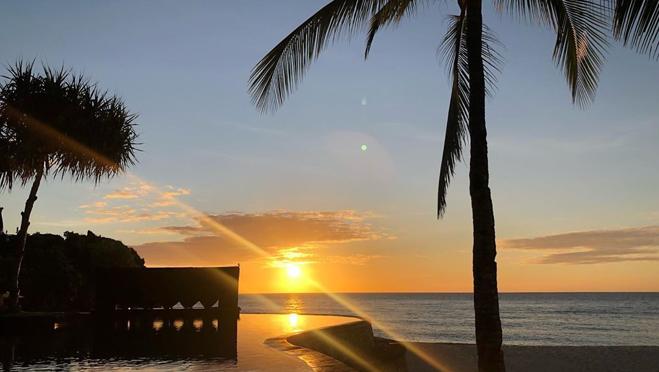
[58,272]
[57,124]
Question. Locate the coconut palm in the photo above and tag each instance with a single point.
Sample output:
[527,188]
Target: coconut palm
[580,26]
[636,23]
[56,124]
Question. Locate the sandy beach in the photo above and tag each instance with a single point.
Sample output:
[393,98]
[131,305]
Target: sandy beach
[462,357]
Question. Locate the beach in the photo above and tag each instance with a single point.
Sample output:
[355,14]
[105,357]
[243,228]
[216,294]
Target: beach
[462,357]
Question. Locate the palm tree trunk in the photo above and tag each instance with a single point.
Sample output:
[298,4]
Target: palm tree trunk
[486,297]
[21,240]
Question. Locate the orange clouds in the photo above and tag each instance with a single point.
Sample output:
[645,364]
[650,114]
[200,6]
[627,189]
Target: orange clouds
[130,192]
[138,202]
[286,236]
[168,198]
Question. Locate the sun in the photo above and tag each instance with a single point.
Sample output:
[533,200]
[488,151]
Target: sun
[294,276]
[293,271]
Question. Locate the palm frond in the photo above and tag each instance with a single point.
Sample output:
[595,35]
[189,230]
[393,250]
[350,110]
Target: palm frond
[391,13]
[458,112]
[277,74]
[454,51]
[58,124]
[581,28]
[636,23]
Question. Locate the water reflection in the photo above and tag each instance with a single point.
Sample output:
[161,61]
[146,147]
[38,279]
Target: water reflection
[158,324]
[104,339]
[154,344]
[293,320]
[197,324]
[294,304]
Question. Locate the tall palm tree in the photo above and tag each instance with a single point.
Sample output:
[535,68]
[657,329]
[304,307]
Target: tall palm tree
[55,124]
[581,28]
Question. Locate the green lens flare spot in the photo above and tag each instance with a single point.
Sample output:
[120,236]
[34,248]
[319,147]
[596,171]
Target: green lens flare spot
[364,147]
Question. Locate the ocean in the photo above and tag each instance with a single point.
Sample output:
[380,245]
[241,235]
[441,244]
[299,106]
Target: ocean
[527,318]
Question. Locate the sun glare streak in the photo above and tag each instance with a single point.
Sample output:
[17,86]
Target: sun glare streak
[432,361]
[73,145]
[346,350]
[225,231]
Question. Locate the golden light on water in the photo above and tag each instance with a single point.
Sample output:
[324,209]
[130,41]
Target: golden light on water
[293,320]
[158,324]
[197,324]
[292,323]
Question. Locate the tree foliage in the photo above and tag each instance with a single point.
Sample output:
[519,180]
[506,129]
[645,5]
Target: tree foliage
[59,271]
[57,123]
[582,29]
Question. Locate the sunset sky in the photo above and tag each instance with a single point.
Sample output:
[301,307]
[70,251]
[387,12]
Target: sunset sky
[575,191]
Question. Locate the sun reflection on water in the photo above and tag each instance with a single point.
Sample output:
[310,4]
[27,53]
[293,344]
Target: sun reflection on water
[293,323]
[197,324]
[294,304]
[158,324]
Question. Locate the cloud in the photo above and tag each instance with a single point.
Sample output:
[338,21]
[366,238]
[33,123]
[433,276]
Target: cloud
[285,229]
[353,259]
[596,246]
[130,192]
[169,197]
[98,204]
[137,202]
[283,236]
[126,214]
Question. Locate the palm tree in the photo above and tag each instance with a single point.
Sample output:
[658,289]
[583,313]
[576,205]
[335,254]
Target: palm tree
[55,124]
[580,26]
[636,23]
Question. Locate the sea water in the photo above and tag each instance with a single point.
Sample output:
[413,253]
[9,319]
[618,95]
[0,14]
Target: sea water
[527,318]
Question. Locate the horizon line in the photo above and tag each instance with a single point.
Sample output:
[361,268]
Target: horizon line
[449,292]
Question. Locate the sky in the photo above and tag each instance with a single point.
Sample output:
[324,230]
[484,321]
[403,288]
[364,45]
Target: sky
[292,196]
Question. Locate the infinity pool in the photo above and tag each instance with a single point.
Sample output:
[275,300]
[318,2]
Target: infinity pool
[163,344]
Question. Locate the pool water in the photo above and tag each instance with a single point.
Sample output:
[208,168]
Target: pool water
[195,344]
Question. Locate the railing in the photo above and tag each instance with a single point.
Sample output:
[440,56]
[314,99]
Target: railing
[152,289]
